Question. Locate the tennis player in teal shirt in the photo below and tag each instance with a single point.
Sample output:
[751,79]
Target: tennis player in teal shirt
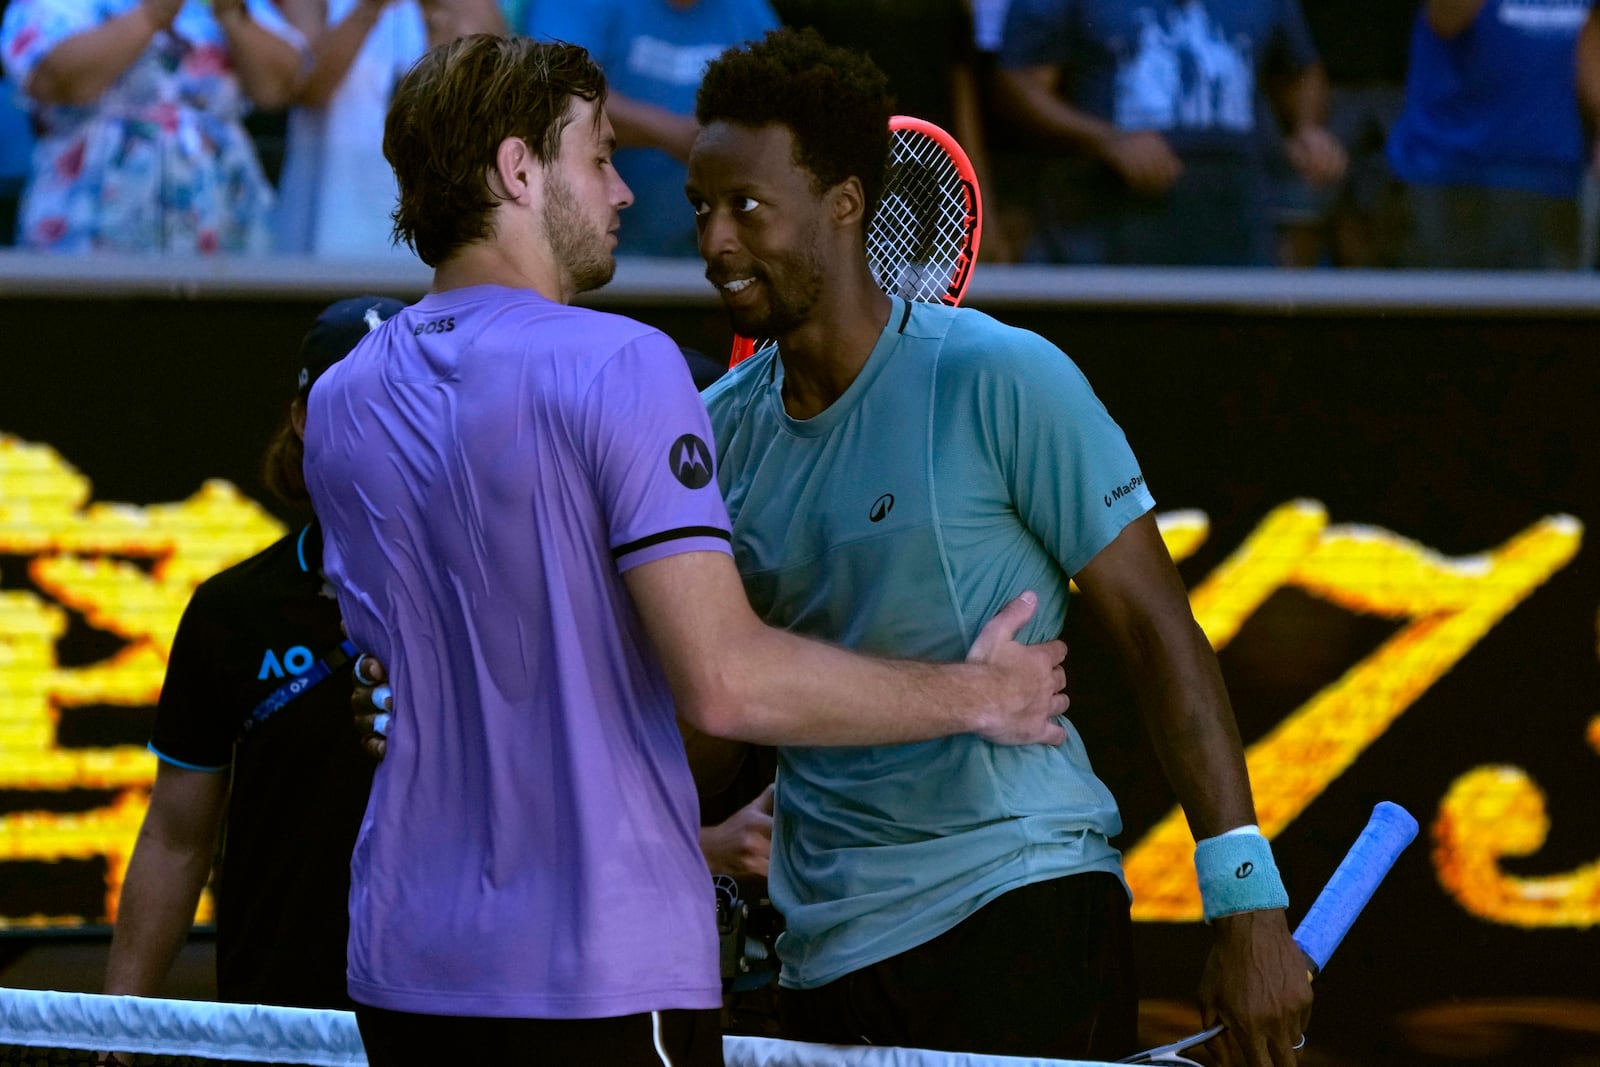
[894,473]
[922,497]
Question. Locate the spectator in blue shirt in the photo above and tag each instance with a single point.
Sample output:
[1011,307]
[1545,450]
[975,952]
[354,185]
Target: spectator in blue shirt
[1490,143]
[653,53]
[1155,104]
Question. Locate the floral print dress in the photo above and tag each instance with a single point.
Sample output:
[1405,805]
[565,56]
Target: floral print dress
[161,162]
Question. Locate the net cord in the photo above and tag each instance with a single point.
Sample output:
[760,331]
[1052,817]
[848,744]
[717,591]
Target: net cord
[263,1034]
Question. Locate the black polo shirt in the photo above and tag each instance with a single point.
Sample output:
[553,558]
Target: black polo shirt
[299,778]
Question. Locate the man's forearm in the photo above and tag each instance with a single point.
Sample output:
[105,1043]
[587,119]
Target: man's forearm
[1053,121]
[790,690]
[157,907]
[1196,738]
[733,676]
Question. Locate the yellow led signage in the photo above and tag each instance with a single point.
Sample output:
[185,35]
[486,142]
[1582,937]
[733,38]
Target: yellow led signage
[129,571]
[1448,606]
[82,556]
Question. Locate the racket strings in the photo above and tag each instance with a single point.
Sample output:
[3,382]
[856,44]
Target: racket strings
[917,245]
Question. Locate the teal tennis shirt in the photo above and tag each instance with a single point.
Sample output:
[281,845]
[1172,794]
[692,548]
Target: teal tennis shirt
[968,462]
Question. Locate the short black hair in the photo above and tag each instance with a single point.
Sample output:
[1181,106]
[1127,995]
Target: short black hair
[834,101]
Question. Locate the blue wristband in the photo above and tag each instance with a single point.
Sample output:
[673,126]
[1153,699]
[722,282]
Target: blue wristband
[1237,873]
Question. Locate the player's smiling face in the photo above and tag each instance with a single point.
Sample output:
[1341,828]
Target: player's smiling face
[759,217]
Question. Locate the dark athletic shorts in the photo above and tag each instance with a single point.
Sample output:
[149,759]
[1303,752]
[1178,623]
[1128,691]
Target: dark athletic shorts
[654,1039]
[1045,971]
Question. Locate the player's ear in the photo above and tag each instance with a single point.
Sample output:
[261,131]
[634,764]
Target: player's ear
[516,169]
[297,416]
[848,203]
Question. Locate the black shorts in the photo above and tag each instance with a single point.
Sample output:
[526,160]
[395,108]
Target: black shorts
[1045,970]
[654,1039]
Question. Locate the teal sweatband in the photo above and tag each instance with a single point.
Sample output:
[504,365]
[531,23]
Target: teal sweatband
[1237,873]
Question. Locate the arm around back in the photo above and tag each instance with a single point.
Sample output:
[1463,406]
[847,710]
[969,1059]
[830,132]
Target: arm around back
[734,676]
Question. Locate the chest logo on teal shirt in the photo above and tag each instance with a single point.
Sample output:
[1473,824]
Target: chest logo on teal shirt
[881,507]
[690,461]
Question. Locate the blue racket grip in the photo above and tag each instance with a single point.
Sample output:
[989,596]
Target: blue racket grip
[1387,834]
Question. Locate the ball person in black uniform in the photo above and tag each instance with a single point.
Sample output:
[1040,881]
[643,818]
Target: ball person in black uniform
[253,730]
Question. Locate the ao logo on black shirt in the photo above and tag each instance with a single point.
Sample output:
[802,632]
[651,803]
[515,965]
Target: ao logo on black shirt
[690,461]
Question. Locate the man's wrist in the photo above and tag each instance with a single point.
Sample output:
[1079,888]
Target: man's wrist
[1237,873]
[991,695]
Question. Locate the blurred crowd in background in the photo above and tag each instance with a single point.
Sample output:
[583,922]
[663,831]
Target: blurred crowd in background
[1398,133]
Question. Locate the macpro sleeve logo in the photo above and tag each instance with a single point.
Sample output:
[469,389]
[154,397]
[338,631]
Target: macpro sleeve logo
[1123,490]
[690,461]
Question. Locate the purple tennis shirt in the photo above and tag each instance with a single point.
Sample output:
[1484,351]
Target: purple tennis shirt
[486,465]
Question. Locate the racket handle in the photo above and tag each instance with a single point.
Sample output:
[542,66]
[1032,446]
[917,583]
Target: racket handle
[1387,834]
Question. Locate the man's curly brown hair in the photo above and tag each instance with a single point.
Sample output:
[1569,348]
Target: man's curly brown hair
[448,116]
[834,101]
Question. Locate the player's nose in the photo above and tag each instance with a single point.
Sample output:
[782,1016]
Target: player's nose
[718,236]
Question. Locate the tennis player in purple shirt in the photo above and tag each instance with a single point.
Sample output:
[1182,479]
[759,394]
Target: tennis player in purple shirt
[522,522]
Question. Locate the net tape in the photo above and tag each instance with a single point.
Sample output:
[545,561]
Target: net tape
[915,241]
[254,1033]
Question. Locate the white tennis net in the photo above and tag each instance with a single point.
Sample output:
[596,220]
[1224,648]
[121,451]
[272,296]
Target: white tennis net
[69,1028]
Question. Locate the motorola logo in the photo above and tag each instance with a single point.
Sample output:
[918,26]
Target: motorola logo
[881,507]
[690,461]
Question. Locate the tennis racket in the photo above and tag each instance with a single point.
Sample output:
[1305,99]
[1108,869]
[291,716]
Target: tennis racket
[923,241]
[1386,835]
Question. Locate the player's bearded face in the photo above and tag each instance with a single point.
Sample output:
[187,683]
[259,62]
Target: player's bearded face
[760,220]
[581,244]
[794,279]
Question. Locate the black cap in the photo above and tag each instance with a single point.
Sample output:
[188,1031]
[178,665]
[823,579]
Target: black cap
[337,330]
